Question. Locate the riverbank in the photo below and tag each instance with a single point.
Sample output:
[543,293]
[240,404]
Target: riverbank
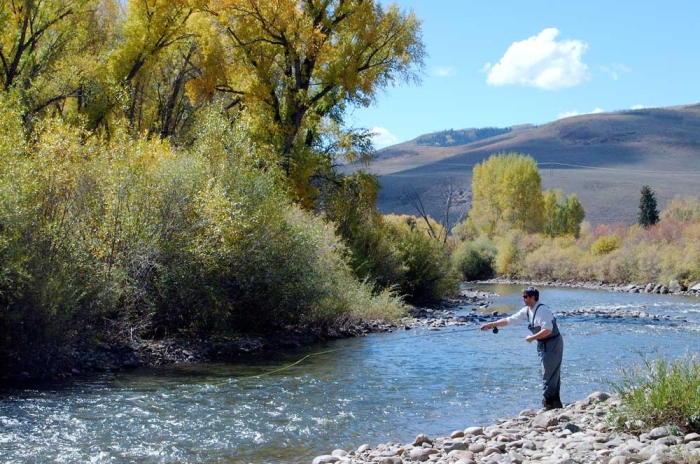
[64,363]
[579,433]
[88,358]
[673,288]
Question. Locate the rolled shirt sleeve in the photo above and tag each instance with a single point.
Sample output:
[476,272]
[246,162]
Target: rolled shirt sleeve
[520,316]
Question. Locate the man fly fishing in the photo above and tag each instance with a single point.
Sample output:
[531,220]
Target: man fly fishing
[550,343]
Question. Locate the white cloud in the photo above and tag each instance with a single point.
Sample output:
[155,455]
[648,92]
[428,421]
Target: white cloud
[568,114]
[443,71]
[541,61]
[615,69]
[638,107]
[382,137]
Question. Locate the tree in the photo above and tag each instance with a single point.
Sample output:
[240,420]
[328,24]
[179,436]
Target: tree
[439,232]
[43,49]
[291,64]
[648,212]
[149,67]
[562,216]
[507,194]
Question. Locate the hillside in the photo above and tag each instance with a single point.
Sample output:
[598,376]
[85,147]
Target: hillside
[604,158]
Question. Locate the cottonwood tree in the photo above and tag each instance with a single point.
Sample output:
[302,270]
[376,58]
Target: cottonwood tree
[562,215]
[648,212]
[292,64]
[507,194]
[44,45]
[150,65]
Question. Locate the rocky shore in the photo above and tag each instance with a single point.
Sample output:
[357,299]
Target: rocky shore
[674,287]
[579,433]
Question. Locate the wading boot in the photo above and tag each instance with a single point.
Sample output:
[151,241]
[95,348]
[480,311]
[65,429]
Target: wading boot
[551,403]
[557,402]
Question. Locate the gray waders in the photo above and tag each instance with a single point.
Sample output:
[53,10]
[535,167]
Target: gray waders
[550,350]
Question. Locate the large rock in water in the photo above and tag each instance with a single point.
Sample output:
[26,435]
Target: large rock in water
[675,287]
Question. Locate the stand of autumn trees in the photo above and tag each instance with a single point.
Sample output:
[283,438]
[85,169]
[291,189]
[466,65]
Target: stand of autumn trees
[517,231]
[167,170]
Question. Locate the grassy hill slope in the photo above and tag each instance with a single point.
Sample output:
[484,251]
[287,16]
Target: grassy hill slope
[604,158]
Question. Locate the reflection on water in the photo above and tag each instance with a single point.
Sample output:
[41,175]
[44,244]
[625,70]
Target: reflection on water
[385,387]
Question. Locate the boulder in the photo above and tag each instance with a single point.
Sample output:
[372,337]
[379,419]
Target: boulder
[598,396]
[326,459]
[422,454]
[474,431]
[675,286]
[391,460]
[420,439]
[454,445]
[544,420]
[658,432]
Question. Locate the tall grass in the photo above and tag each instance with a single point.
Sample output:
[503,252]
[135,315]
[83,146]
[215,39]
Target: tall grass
[660,393]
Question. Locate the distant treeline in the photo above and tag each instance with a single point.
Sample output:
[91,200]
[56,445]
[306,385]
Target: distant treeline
[453,137]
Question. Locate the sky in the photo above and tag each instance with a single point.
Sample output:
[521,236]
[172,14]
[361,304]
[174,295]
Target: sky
[501,63]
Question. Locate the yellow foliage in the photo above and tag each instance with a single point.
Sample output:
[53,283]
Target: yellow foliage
[605,245]
[507,194]
[293,64]
[509,255]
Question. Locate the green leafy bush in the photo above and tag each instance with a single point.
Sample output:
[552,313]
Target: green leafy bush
[475,260]
[429,274]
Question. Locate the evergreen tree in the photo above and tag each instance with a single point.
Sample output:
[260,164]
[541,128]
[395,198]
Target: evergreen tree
[648,213]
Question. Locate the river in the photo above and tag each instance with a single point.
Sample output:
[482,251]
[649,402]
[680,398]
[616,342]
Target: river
[289,408]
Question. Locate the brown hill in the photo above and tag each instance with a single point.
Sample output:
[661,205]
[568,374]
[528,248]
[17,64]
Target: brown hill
[604,158]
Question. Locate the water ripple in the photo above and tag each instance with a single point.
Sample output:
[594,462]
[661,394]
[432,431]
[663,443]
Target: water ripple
[369,391]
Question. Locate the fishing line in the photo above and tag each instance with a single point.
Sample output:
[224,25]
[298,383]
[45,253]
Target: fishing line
[319,353]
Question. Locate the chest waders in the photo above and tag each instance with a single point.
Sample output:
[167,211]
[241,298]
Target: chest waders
[550,351]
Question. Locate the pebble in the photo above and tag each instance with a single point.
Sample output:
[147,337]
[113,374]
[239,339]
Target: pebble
[577,434]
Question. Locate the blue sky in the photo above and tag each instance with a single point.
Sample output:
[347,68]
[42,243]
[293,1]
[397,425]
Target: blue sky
[501,63]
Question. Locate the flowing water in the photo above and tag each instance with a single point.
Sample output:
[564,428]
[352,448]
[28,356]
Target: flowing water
[375,389]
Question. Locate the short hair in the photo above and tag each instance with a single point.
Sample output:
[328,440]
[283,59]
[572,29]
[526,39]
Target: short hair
[532,291]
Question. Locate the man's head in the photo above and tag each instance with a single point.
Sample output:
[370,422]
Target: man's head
[530,294]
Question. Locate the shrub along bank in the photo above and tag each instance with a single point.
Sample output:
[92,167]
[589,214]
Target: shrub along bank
[659,254]
[124,238]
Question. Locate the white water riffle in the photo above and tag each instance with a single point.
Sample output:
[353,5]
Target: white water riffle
[375,389]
